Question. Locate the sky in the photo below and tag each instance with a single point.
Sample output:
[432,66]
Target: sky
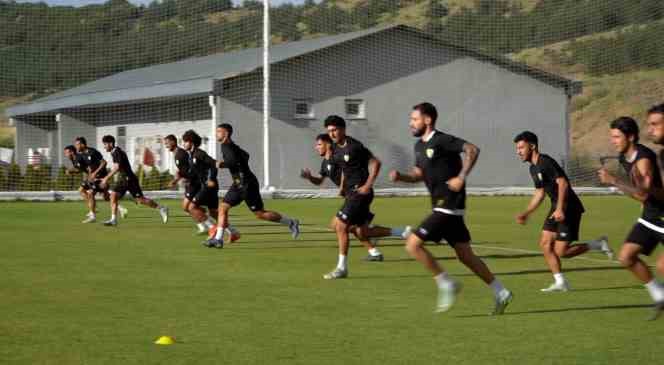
[137,2]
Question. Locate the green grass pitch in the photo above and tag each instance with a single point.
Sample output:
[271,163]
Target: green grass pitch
[86,294]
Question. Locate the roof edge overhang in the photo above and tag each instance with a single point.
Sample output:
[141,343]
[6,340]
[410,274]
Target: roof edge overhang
[199,86]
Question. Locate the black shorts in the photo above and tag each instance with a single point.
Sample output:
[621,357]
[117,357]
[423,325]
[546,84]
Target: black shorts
[250,194]
[645,237]
[566,231]
[356,209]
[439,226]
[191,189]
[95,186]
[207,197]
[128,184]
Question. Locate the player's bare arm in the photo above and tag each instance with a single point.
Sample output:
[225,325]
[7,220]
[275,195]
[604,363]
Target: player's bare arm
[306,174]
[374,169]
[535,202]
[342,191]
[414,176]
[114,170]
[642,186]
[559,213]
[93,174]
[470,155]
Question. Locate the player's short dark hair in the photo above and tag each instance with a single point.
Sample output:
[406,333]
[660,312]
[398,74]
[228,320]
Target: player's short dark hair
[657,109]
[70,148]
[193,137]
[171,138]
[227,127]
[627,126]
[335,120]
[324,137]
[81,140]
[108,139]
[526,136]
[427,109]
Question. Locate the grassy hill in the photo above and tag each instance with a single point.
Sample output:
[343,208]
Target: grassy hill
[604,98]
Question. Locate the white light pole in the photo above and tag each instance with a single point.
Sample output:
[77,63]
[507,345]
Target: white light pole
[266,94]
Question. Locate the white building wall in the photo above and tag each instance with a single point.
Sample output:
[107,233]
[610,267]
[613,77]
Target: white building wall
[29,136]
[70,128]
[154,131]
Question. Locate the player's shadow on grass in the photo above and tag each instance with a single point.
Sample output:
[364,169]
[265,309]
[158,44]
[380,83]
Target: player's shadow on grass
[639,287]
[499,256]
[562,310]
[573,269]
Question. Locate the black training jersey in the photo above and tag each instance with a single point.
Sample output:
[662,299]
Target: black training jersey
[94,159]
[330,170]
[181,158]
[544,175]
[237,161]
[353,160]
[79,162]
[439,158]
[120,158]
[202,167]
[653,210]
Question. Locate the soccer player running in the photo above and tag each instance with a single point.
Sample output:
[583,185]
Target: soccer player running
[645,186]
[126,181]
[204,187]
[245,188]
[359,169]
[438,163]
[330,170]
[192,186]
[88,160]
[562,223]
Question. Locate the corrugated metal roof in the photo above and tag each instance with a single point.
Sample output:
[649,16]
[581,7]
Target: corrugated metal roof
[195,76]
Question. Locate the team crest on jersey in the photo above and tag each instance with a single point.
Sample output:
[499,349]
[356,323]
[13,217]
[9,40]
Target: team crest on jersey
[429,152]
[329,167]
[346,158]
[177,162]
[539,176]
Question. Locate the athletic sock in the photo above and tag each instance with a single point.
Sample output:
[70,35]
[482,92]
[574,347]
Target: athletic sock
[443,280]
[595,245]
[374,252]
[397,232]
[209,222]
[285,220]
[342,264]
[201,226]
[219,235]
[498,288]
[655,290]
[559,278]
[113,217]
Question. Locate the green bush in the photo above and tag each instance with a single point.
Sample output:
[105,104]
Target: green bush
[152,180]
[4,182]
[29,181]
[64,182]
[164,179]
[14,177]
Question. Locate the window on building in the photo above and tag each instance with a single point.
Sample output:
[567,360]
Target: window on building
[355,109]
[304,109]
[121,138]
